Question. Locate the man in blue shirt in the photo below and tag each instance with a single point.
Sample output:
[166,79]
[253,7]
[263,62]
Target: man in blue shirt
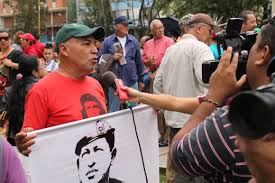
[126,57]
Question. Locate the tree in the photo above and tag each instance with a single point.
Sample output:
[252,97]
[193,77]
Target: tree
[25,14]
[71,11]
[98,13]
[216,8]
[147,13]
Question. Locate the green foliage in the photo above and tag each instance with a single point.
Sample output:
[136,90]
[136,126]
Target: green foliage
[216,8]
[98,12]
[71,11]
[26,15]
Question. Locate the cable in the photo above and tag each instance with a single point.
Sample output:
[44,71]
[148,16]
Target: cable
[134,122]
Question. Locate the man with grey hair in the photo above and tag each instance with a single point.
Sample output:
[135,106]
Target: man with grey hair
[183,23]
[249,20]
[153,51]
[180,74]
[155,48]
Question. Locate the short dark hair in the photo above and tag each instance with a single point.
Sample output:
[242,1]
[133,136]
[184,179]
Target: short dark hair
[244,14]
[49,46]
[268,38]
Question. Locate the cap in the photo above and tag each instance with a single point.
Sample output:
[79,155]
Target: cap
[27,36]
[202,18]
[102,130]
[251,114]
[121,20]
[185,20]
[77,30]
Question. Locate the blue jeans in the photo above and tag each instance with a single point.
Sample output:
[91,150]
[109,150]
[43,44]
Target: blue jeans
[114,103]
[146,79]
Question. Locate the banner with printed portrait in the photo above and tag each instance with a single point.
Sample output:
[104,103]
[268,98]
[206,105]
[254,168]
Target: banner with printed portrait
[115,147]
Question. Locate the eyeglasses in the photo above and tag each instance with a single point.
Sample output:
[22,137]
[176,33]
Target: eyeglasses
[4,38]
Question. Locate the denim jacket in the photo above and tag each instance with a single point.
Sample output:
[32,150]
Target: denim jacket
[131,72]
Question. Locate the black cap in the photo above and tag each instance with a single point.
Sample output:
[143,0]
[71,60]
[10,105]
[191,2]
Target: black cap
[252,113]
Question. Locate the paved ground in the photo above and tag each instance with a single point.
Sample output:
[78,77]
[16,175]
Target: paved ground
[163,156]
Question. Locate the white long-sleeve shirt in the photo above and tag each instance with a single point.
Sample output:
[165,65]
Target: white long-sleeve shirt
[180,74]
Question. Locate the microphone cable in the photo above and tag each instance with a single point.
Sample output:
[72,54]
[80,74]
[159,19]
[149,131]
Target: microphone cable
[141,154]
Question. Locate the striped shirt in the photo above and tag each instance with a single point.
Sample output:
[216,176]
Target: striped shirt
[209,150]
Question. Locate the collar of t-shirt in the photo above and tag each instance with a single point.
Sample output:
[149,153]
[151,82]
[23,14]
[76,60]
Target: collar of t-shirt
[122,41]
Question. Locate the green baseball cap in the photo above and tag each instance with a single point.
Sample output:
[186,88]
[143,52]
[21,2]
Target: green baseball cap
[77,30]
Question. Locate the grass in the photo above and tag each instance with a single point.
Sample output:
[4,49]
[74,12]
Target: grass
[162,178]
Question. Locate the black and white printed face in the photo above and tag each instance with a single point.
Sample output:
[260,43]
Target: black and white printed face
[94,161]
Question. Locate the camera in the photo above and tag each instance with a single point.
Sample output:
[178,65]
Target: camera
[252,113]
[240,42]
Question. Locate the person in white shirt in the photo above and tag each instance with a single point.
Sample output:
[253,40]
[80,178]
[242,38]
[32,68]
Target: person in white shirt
[180,73]
[50,62]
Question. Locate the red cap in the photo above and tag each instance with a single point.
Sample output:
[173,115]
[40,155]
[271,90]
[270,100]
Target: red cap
[27,36]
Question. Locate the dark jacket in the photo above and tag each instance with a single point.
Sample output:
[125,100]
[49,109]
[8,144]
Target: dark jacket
[131,72]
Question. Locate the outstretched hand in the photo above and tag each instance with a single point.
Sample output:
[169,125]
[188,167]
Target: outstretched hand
[223,82]
[133,94]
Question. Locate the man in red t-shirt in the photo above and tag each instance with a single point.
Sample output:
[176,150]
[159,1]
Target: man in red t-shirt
[67,94]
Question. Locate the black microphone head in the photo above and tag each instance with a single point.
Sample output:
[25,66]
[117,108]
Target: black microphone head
[108,79]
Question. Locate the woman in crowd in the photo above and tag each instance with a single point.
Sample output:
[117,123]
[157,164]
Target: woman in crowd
[9,57]
[31,69]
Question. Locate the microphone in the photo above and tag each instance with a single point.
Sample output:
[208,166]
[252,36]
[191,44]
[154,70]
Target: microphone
[110,79]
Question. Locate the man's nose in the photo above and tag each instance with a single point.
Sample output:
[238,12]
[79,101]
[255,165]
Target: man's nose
[92,165]
[94,50]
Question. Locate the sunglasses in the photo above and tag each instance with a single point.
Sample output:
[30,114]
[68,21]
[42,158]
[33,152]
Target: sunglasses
[4,38]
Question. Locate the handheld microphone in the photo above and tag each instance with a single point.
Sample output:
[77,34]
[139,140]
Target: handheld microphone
[110,79]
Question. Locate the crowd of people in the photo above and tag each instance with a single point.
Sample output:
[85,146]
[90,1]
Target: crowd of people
[158,71]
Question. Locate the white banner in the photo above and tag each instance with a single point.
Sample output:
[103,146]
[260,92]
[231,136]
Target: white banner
[109,148]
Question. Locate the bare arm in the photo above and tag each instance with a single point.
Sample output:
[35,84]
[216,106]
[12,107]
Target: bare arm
[164,102]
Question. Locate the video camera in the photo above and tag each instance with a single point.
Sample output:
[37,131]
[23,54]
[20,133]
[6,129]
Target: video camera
[251,113]
[240,42]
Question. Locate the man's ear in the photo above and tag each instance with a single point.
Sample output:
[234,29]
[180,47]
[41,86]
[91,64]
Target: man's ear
[113,153]
[265,56]
[63,49]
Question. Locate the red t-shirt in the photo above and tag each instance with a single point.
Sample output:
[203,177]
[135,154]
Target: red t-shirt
[56,100]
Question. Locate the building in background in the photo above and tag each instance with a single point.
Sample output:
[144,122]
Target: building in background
[58,11]
[57,16]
